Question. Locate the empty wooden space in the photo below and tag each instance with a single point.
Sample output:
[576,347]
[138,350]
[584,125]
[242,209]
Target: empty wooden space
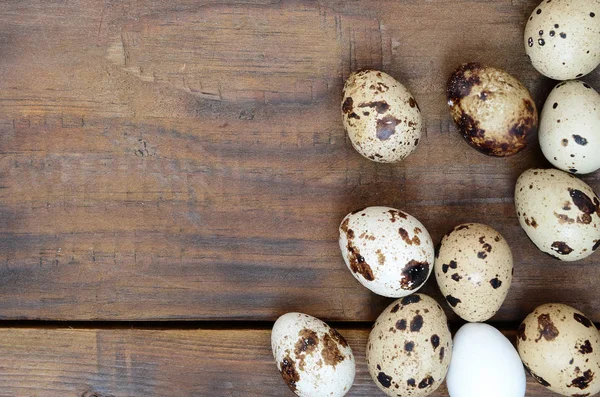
[186,160]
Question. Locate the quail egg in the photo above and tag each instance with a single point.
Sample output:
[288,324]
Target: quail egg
[569,131]
[473,269]
[561,38]
[387,250]
[410,347]
[560,348]
[382,118]
[314,359]
[559,213]
[494,112]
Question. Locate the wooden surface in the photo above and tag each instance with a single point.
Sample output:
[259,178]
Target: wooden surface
[119,363]
[186,160]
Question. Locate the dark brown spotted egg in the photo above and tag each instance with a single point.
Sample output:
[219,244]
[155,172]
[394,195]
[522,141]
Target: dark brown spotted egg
[494,112]
[560,348]
[559,212]
[473,269]
[387,250]
[314,359]
[381,117]
[561,38]
[410,347]
[569,131]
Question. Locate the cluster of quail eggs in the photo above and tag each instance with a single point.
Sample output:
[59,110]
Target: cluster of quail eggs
[410,350]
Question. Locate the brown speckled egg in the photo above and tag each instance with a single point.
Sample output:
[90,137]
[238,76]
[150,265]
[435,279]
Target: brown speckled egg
[474,270]
[562,38]
[388,251]
[314,359]
[570,127]
[559,213]
[494,112]
[560,348]
[381,117]
[410,347]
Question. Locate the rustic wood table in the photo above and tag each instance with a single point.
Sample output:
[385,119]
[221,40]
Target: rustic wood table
[173,173]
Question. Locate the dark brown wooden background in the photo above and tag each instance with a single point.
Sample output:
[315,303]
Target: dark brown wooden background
[185,161]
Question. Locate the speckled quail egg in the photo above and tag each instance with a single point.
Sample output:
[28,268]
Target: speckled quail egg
[410,347]
[387,250]
[570,127]
[561,38]
[559,213]
[560,348]
[473,269]
[484,363]
[314,359]
[494,112]
[381,117]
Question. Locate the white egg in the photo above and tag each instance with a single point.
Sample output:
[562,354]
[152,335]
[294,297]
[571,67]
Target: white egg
[313,358]
[569,130]
[562,38]
[484,363]
[387,250]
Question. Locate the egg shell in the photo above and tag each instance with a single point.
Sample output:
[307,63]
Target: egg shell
[381,117]
[560,348]
[561,38]
[494,112]
[410,347]
[473,269]
[314,359]
[484,363]
[559,212]
[569,131]
[387,250]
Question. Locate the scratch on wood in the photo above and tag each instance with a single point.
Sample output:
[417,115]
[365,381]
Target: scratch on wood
[125,50]
[380,27]
[101,20]
[116,53]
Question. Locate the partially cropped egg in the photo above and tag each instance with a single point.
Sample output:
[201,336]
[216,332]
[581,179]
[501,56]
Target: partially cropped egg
[314,359]
[562,38]
[560,348]
[382,118]
[569,131]
[559,212]
[484,363]
[410,347]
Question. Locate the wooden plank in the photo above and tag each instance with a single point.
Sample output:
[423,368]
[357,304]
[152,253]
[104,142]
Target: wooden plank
[119,363]
[186,160]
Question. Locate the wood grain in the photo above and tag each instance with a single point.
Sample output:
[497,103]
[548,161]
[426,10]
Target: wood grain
[123,363]
[186,159]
